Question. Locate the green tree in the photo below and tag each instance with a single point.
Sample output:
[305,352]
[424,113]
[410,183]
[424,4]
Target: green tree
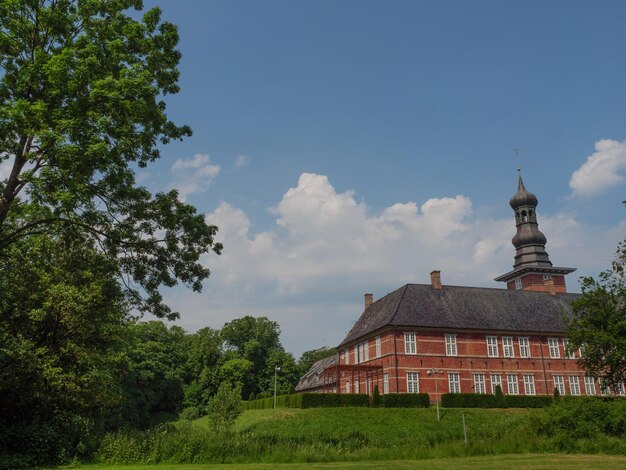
[203,368]
[598,323]
[81,107]
[62,314]
[253,339]
[308,358]
[225,407]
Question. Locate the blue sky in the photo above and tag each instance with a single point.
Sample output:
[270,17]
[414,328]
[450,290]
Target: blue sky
[353,146]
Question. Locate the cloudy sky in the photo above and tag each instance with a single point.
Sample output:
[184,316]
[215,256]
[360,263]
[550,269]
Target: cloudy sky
[354,146]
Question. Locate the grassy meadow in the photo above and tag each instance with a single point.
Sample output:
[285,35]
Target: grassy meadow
[335,435]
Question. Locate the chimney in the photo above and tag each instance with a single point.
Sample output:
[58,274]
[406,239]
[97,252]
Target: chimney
[435,279]
[369,299]
[548,284]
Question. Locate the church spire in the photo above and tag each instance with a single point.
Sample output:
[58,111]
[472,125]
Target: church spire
[532,265]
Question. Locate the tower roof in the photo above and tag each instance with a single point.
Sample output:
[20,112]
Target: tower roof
[522,197]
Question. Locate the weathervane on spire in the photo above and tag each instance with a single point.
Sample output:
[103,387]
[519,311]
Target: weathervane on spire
[516,150]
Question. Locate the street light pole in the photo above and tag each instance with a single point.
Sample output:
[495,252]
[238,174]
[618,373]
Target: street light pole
[276,369]
[436,372]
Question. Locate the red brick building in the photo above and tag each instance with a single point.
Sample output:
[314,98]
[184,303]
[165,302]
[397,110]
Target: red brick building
[434,338]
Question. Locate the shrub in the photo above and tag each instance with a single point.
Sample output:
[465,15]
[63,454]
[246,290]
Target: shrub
[467,400]
[376,397]
[224,408]
[190,413]
[499,399]
[320,400]
[406,400]
[354,399]
[526,401]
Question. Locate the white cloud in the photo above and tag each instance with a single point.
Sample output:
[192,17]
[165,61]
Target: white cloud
[601,170]
[193,175]
[242,161]
[309,272]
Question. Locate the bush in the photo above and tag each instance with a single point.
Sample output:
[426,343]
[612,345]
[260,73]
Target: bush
[190,413]
[499,399]
[406,400]
[526,401]
[467,400]
[321,400]
[224,408]
[354,399]
[376,400]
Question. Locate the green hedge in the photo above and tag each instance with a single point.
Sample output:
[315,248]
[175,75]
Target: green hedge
[477,400]
[406,400]
[355,399]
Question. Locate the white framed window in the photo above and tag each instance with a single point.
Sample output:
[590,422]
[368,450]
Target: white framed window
[492,346]
[412,382]
[574,385]
[496,379]
[410,346]
[524,346]
[356,354]
[378,346]
[512,384]
[553,346]
[385,383]
[568,353]
[479,383]
[450,345]
[604,387]
[619,389]
[346,356]
[559,383]
[356,386]
[529,384]
[581,351]
[590,385]
[347,386]
[366,350]
[454,382]
[507,346]
[518,283]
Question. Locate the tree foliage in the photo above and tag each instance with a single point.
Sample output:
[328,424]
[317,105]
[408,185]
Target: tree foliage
[308,358]
[81,107]
[598,325]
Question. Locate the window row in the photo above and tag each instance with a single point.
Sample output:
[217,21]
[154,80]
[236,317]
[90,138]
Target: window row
[361,352]
[493,348]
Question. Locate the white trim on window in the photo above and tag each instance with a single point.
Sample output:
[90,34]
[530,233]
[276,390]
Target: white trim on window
[529,384]
[512,384]
[479,384]
[378,348]
[385,383]
[590,385]
[619,389]
[357,386]
[412,382]
[356,353]
[518,283]
[410,342]
[569,354]
[559,383]
[347,386]
[604,387]
[450,345]
[496,379]
[574,385]
[454,382]
[553,346]
[507,346]
[492,346]
[524,346]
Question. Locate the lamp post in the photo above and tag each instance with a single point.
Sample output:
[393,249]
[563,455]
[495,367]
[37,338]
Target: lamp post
[276,369]
[436,372]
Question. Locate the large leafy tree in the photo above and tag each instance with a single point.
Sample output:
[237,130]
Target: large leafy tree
[598,325]
[81,108]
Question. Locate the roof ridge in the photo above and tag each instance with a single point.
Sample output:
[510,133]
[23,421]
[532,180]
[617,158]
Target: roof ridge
[406,286]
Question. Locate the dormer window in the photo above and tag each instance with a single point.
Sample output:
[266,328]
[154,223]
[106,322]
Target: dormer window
[518,283]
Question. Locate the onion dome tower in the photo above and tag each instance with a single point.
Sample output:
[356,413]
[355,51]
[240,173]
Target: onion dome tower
[532,269]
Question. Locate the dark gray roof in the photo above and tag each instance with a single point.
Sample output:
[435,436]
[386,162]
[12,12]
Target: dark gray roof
[456,307]
[313,379]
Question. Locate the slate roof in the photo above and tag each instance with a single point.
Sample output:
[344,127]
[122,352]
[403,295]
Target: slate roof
[313,379]
[457,307]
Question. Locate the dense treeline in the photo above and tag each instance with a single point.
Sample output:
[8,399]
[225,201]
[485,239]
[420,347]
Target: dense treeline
[75,364]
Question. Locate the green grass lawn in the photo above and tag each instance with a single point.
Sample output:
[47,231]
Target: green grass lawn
[524,461]
[335,437]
